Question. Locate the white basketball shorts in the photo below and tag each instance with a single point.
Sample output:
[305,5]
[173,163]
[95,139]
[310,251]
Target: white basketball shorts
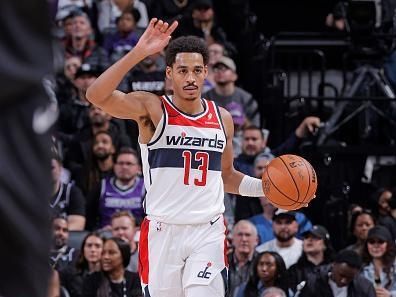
[183,260]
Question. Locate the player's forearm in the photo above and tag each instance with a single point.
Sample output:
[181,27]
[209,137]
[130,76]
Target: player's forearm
[109,80]
[232,181]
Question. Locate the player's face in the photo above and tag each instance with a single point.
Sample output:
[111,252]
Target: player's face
[266,268]
[253,142]
[111,256]
[123,228]
[376,247]
[126,167]
[244,239]
[285,228]
[363,224]
[342,274]
[187,75]
[93,249]
[313,244]
[60,232]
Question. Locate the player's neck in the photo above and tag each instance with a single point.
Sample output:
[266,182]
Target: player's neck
[193,106]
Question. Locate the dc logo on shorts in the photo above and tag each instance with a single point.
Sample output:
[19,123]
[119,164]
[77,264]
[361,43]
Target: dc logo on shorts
[204,273]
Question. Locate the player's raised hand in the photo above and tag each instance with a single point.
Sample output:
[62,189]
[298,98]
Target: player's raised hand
[156,36]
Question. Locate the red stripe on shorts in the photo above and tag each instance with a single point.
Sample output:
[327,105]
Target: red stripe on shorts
[144,252]
[225,244]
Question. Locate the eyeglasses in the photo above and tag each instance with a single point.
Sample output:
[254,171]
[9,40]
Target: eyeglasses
[375,241]
[126,163]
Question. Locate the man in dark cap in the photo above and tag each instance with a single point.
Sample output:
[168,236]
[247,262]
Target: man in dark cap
[339,279]
[317,251]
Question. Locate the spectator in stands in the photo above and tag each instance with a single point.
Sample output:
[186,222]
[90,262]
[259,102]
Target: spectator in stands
[73,113]
[244,241]
[110,10]
[285,229]
[99,121]
[123,225]
[255,142]
[64,81]
[61,255]
[125,38]
[341,278]
[201,22]
[216,51]
[225,90]
[268,270]
[317,251]
[82,44]
[122,191]
[361,223]
[273,292]
[240,121]
[114,279]
[87,263]
[379,257]
[169,11]
[148,76]
[383,198]
[99,165]
[67,199]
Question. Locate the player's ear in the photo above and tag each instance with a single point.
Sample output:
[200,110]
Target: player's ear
[168,72]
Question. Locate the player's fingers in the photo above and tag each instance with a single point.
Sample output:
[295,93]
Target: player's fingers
[164,27]
[172,27]
[152,22]
[159,25]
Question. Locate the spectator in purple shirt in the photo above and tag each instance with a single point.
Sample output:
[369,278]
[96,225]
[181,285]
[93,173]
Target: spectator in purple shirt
[122,41]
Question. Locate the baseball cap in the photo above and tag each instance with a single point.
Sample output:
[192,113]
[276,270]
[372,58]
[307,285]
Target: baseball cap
[318,231]
[226,61]
[202,4]
[281,213]
[95,70]
[379,232]
[236,111]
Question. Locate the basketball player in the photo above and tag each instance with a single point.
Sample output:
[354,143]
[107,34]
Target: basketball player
[187,157]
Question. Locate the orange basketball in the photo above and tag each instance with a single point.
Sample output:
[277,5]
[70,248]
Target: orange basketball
[289,182]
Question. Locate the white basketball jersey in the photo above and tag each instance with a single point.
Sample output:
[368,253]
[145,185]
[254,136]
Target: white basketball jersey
[182,166]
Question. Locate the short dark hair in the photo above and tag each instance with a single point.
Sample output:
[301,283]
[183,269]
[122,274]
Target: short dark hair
[186,44]
[253,128]
[126,150]
[349,257]
[124,248]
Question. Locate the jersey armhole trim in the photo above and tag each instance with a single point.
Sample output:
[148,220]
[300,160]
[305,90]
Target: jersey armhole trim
[164,122]
[220,118]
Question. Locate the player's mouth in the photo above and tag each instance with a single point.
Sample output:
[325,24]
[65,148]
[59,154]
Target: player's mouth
[190,88]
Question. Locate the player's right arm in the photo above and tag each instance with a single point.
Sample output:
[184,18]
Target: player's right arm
[133,105]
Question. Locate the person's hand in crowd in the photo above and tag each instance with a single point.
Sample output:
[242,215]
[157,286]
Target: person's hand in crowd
[382,292]
[308,126]
[332,22]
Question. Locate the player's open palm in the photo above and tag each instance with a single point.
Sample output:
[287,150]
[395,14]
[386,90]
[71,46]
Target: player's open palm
[156,36]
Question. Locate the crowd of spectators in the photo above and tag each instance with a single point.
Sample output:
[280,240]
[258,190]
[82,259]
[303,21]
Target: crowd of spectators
[98,188]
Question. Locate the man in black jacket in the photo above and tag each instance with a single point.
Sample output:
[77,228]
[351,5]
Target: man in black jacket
[339,279]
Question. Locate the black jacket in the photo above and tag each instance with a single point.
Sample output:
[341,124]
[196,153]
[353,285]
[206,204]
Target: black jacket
[318,285]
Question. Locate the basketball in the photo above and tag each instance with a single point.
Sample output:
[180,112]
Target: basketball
[289,182]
